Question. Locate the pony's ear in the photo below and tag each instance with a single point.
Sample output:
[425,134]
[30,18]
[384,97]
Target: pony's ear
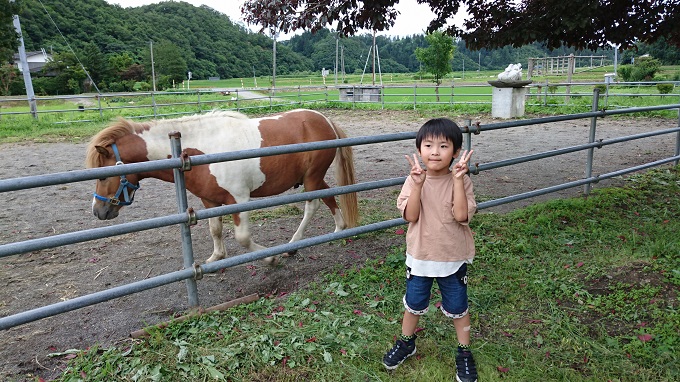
[103,151]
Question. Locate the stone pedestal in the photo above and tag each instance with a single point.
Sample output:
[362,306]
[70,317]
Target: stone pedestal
[508,97]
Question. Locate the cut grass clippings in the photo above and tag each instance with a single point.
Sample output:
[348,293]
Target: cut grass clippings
[581,289]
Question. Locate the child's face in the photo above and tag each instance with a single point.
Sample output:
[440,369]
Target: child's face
[437,153]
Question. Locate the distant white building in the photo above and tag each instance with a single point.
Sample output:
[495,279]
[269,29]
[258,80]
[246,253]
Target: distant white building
[36,60]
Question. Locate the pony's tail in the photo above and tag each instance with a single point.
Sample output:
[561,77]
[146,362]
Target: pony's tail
[344,175]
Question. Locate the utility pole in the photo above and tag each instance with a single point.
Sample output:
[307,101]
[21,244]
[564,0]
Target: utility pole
[153,71]
[25,70]
[275,35]
[373,50]
[336,58]
[616,56]
[342,62]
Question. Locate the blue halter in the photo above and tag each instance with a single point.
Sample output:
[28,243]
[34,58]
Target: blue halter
[122,188]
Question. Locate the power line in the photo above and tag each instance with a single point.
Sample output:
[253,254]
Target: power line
[69,47]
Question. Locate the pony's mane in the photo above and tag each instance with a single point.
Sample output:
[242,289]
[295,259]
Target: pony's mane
[221,113]
[190,119]
[109,135]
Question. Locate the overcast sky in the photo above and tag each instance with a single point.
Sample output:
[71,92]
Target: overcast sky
[413,18]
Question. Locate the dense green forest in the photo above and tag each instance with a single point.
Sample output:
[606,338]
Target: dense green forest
[113,44]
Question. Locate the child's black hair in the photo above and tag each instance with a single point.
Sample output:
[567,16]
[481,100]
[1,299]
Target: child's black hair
[441,127]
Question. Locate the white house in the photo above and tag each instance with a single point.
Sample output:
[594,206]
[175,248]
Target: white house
[36,60]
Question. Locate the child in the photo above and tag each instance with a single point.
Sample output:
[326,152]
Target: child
[438,203]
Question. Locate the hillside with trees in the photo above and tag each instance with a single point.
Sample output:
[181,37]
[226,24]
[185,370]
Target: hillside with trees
[208,41]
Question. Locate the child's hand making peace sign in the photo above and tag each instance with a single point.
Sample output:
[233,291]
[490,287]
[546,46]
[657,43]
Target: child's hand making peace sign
[417,172]
[461,168]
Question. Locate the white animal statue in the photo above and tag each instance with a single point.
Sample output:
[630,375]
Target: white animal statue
[512,73]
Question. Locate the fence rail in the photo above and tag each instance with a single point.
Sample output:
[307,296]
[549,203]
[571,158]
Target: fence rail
[193,272]
[98,107]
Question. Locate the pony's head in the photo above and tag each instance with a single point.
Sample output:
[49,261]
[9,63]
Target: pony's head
[111,147]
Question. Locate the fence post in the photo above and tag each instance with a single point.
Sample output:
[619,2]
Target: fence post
[591,139]
[183,207]
[452,87]
[570,73]
[382,96]
[415,95]
[198,97]
[467,144]
[467,141]
[153,103]
[677,141]
[99,102]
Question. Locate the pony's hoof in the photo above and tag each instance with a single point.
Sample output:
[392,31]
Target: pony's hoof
[271,261]
[214,258]
[289,254]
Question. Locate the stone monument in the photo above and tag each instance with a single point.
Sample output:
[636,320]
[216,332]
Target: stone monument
[509,93]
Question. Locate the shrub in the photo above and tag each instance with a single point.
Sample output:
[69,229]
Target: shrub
[73,86]
[665,88]
[625,72]
[46,86]
[142,86]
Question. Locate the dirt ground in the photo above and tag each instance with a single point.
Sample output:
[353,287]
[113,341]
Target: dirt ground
[45,277]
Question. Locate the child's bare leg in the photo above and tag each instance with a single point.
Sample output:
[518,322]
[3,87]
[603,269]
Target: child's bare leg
[462,326]
[409,323]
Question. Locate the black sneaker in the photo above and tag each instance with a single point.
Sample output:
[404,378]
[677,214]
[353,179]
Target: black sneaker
[398,354]
[465,366]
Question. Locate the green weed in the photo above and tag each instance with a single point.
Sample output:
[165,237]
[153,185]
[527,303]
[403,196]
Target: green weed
[580,289]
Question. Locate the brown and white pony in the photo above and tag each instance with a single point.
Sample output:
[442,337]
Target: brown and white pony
[216,184]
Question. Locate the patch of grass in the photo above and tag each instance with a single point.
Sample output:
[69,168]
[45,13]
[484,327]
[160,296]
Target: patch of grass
[376,210]
[469,97]
[580,289]
[277,212]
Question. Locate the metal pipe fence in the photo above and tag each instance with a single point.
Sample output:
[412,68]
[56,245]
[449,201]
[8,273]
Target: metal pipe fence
[186,217]
[98,107]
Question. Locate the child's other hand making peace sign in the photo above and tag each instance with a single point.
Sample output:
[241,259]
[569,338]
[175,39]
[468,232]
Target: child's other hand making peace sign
[461,168]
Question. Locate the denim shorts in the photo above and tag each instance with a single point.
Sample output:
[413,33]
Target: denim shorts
[453,289]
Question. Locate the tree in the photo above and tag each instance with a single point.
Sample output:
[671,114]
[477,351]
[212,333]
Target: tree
[69,76]
[169,65]
[121,62]
[96,63]
[9,40]
[578,23]
[8,73]
[437,56]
